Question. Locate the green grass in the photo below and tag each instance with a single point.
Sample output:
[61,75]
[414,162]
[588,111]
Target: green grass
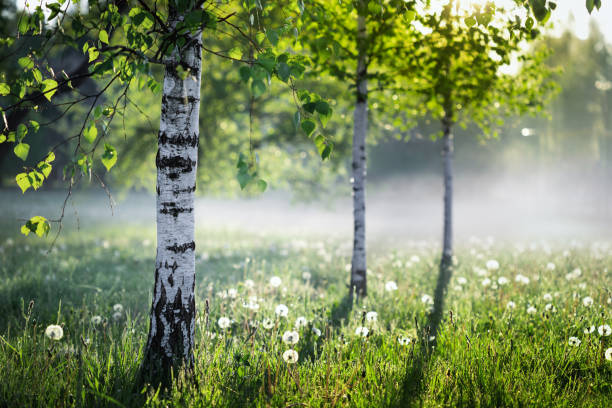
[487,355]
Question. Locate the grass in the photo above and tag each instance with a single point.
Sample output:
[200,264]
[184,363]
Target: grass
[486,355]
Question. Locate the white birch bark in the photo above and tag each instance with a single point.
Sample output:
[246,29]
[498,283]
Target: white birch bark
[172,321]
[360,118]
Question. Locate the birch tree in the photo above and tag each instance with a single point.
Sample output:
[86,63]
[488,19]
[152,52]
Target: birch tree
[350,41]
[122,42]
[459,71]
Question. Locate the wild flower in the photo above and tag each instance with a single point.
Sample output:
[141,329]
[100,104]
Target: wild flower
[549,307]
[362,331]
[461,280]
[290,356]
[306,275]
[291,337]
[251,305]
[604,330]
[547,297]
[224,322]
[281,310]
[589,330]
[502,280]
[267,323]
[249,284]
[521,279]
[371,316]
[390,286]
[118,308]
[574,341]
[117,316]
[316,331]
[575,274]
[587,301]
[54,332]
[550,266]
[96,320]
[531,310]
[492,265]
[403,340]
[608,354]
[415,259]
[486,282]
[428,300]
[300,322]
[275,281]
[232,293]
[510,305]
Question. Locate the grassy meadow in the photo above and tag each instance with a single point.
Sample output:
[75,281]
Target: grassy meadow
[526,325]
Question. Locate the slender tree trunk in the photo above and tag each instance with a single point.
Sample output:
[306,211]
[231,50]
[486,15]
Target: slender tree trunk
[172,325]
[446,261]
[358,265]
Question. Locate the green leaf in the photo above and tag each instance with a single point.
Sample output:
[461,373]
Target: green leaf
[49,88]
[235,53]
[23,182]
[284,71]
[4,89]
[243,178]
[21,150]
[26,63]
[272,36]
[103,35]
[45,168]
[109,158]
[258,88]
[38,225]
[245,73]
[590,4]
[22,131]
[308,126]
[35,125]
[93,53]
[90,132]
[24,23]
[261,185]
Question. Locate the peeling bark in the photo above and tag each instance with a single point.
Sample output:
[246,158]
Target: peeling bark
[358,284]
[170,342]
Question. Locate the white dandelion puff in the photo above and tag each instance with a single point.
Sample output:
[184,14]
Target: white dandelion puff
[547,297]
[531,310]
[492,265]
[510,305]
[300,322]
[428,300]
[371,316]
[275,281]
[224,322]
[574,341]
[316,331]
[267,323]
[290,356]
[54,332]
[281,310]
[609,354]
[587,301]
[390,286]
[96,320]
[403,340]
[502,280]
[604,330]
[291,337]
[118,308]
[362,331]
[589,330]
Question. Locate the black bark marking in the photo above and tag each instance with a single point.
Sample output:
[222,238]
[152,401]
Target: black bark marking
[172,209]
[181,248]
[178,191]
[174,266]
[179,140]
[189,99]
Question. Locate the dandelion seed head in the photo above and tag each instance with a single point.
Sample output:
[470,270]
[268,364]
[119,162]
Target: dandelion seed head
[492,265]
[224,322]
[281,310]
[290,356]
[275,281]
[587,301]
[371,316]
[300,322]
[390,286]
[362,331]
[604,330]
[291,337]
[54,332]
[574,341]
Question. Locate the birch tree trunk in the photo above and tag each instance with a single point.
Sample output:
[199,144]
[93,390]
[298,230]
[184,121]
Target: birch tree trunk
[358,264]
[172,321]
[447,247]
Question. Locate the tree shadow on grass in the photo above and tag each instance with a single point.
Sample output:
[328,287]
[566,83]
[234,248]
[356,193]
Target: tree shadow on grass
[341,310]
